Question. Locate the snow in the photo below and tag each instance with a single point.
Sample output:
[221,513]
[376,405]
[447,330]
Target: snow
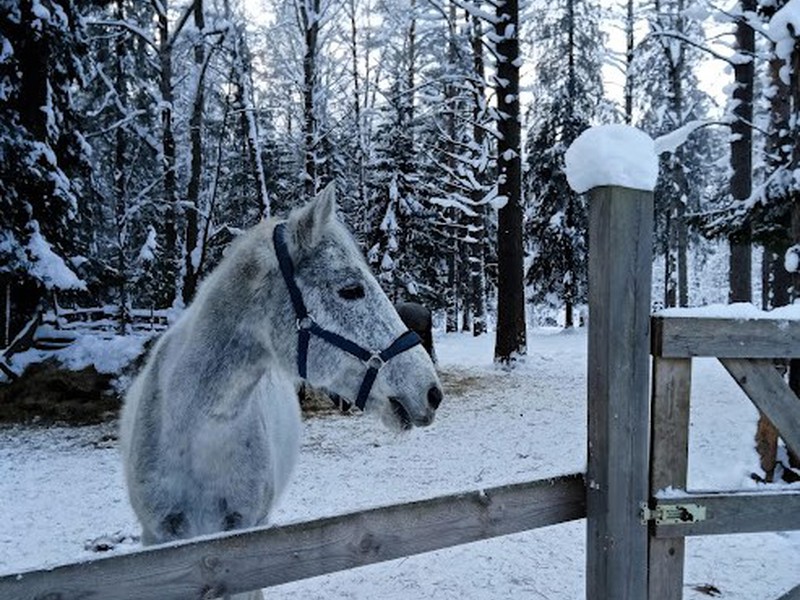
[785,23]
[110,354]
[784,29]
[791,261]
[697,11]
[453,202]
[40,11]
[63,488]
[739,310]
[48,266]
[670,142]
[147,254]
[616,154]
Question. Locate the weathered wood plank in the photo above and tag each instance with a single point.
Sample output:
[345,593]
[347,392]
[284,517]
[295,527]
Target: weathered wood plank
[256,558]
[727,338]
[736,513]
[620,234]
[669,458]
[771,395]
[792,594]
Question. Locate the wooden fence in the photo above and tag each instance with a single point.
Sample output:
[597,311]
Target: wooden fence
[634,544]
[245,560]
[106,318]
[746,349]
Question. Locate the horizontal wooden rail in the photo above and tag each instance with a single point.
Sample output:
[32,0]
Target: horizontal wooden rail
[735,512]
[792,594]
[684,337]
[256,558]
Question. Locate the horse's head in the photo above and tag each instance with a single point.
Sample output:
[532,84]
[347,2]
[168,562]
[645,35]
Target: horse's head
[343,298]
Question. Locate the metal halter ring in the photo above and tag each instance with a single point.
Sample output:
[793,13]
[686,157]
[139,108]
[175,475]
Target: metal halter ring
[375,362]
[304,323]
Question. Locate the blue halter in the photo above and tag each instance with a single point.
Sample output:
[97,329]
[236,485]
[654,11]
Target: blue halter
[306,326]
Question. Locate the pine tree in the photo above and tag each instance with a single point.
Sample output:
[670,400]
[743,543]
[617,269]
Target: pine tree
[667,98]
[568,103]
[44,156]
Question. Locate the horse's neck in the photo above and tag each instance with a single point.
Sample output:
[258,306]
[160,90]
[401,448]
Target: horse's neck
[220,358]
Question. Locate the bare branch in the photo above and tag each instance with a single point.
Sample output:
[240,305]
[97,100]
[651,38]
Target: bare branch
[686,40]
[141,34]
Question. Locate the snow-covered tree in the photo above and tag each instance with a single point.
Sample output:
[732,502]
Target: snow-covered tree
[775,214]
[668,99]
[44,156]
[568,101]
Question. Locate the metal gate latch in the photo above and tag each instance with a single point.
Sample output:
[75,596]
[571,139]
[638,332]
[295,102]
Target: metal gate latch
[673,514]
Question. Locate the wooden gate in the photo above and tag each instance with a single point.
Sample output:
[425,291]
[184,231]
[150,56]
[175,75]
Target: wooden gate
[746,348]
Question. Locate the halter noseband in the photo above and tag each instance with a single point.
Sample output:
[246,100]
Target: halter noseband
[306,326]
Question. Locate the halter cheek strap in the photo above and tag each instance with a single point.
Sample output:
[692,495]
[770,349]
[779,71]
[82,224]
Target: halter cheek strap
[306,327]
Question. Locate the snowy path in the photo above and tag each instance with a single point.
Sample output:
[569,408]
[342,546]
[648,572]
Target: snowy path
[61,488]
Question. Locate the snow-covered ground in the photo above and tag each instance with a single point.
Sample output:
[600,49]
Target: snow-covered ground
[61,488]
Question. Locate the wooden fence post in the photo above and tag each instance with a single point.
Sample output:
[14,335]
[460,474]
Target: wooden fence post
[620,260]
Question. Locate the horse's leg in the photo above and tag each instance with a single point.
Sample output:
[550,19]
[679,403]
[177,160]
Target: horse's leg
[148,539]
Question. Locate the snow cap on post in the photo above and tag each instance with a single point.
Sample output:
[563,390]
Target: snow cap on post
[617,155]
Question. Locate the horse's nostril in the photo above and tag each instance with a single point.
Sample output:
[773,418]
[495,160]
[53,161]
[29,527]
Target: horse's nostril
[434,397]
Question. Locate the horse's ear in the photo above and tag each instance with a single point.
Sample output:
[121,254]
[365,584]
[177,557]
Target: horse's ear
[310,221]
[325,204]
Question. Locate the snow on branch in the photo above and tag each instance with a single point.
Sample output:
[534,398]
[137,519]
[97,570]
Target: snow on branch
[784,31]
[616,154]
[475,11]
[452,202]
[49,267]
[791,261]
[138,32]
[670,142]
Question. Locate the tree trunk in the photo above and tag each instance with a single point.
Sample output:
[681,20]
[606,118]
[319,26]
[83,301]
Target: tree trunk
[7,315]
[669,262]
[169,271]
[776,280]
[629,48]
[360,141]
[310,22]
[191,259]
[451,310]
[120,167]
[683,251]
[794,364]
[740,261]
[477,255]
[455,298]
[243,70]
[510,336]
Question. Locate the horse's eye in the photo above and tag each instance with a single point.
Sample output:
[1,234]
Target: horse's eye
[352,292]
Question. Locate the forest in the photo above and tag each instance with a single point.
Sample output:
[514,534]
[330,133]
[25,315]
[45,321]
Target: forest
[138,138]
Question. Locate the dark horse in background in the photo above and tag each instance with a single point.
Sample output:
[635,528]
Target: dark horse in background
[418,319]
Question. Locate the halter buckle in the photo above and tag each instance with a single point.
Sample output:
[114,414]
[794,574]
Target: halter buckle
[375,362]
[305,323]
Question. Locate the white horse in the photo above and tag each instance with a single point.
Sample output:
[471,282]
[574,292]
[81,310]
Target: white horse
[210,428]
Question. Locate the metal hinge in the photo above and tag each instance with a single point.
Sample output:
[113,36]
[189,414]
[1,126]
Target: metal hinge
[673,514]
